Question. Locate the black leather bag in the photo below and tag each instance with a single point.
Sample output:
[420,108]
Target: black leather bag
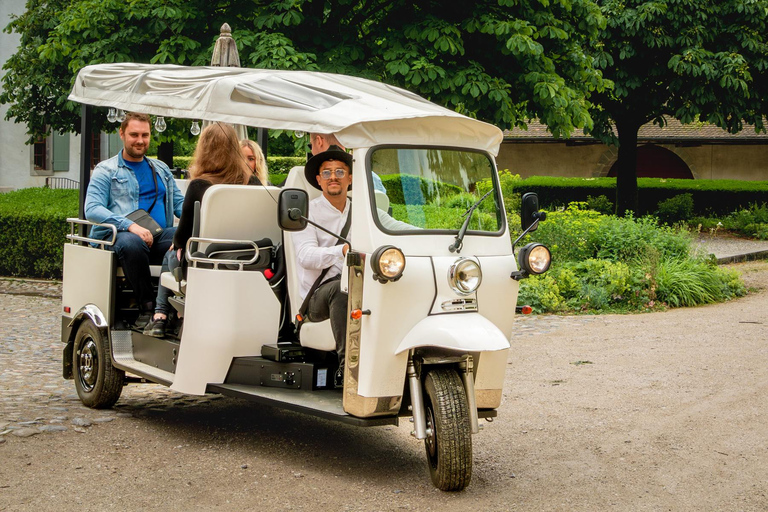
[145,220]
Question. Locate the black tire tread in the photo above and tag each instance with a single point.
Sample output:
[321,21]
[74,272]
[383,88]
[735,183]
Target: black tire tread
[452,470]
[109,385]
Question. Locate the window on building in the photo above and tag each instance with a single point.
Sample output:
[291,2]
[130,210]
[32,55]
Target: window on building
[41,154]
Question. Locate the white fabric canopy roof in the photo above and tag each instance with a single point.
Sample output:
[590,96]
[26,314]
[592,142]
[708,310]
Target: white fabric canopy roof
[360,112]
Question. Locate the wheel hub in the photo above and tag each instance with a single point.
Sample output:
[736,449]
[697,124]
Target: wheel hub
[88,363]
[430,441]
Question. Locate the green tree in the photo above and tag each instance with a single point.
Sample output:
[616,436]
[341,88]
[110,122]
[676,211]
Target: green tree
[688,59]
[504,61]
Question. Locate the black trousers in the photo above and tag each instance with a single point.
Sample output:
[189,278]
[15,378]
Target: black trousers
[329,301]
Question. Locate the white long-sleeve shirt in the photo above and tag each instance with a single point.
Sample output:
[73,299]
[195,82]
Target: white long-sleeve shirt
[315,249]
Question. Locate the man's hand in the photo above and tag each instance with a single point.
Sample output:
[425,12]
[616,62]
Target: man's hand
[144,234]
[345,249]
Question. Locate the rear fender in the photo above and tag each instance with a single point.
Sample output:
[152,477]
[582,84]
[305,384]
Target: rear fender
[90,313]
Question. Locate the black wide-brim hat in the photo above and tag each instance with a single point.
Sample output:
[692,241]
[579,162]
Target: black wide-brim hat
[313,165]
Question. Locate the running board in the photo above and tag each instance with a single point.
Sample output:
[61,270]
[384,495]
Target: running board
[122,355]
[325,404]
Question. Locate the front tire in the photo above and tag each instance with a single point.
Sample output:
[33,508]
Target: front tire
[98,383]
[449,433]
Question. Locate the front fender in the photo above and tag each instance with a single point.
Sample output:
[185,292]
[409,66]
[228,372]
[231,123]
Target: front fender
[465,332]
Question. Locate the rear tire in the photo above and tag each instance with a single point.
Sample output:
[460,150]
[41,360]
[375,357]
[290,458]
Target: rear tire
[98,383]
[449,435]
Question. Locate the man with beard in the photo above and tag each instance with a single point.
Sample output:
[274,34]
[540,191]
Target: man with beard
[330,172]
[127,182]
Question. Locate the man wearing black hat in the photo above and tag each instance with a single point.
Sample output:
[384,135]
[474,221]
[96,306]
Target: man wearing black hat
[330,172]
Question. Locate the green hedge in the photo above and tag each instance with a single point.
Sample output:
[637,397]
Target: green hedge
[278,166]
[33,230]
[418,189]
[275,164]
[712,197]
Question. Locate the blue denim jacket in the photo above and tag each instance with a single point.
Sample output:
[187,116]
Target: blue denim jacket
[113,193]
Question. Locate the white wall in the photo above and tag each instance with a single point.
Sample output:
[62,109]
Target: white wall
[15,155]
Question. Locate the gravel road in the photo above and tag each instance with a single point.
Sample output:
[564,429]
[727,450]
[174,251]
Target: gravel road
[659,411]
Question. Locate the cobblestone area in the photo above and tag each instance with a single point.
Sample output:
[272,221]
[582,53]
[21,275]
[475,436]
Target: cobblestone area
[34,398]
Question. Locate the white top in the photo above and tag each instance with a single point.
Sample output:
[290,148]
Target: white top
[361,113]
[316,249]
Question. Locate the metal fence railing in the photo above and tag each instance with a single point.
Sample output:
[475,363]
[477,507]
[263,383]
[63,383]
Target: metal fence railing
[52,182]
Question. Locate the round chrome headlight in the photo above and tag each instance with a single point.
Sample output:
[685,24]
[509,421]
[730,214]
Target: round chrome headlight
[465,276]
[534,258]
[388,263]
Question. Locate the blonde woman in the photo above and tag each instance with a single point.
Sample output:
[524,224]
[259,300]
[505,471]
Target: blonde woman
[217,160]
[255,159]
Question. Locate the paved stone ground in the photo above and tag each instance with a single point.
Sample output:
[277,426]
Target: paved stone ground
[34,398]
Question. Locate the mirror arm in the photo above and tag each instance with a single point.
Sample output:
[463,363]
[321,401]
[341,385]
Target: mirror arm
[295,214]
[530,228]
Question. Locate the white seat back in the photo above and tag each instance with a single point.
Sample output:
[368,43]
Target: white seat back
[313,335]
[240,212]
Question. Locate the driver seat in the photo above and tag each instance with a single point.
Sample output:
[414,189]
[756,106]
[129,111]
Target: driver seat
[316,335]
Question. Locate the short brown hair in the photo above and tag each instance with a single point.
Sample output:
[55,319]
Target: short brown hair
[129,116]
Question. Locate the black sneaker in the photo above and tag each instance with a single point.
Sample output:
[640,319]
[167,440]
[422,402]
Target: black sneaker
[142,320]
[156,328]
[338,378]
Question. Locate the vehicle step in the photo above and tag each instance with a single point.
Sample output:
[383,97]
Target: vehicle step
[122,351]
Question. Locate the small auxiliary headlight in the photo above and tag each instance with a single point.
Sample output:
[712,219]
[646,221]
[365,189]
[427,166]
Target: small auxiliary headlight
[534,258]
[388,263]
[465,276]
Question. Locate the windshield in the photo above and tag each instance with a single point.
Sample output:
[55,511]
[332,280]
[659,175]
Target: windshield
[434,189]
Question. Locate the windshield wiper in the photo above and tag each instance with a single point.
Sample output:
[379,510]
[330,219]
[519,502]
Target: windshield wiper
[457,245]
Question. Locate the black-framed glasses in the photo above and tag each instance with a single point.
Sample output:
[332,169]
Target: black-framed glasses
[338,173]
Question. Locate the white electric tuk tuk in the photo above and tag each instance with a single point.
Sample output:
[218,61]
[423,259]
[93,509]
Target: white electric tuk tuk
[432,277]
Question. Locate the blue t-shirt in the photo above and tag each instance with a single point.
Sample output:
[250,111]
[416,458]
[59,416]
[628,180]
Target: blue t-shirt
[147,190]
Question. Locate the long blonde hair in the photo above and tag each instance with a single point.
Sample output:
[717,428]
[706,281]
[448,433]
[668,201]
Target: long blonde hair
[218,158]
[261,164]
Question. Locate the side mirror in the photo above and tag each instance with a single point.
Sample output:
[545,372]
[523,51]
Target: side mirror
[530,211]
[292,209]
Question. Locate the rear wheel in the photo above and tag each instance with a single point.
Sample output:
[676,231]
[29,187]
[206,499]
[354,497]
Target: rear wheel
[98,383]
[449,433]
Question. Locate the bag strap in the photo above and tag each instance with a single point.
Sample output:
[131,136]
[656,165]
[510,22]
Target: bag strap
[305,305]
[154,178]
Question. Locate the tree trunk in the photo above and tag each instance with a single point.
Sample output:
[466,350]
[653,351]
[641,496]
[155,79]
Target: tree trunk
[626,167]
[165,153]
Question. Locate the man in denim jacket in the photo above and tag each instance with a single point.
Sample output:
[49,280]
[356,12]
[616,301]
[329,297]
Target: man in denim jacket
[123,184]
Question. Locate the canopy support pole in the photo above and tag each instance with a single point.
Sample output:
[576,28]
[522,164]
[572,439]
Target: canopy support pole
[86,140]
[262,138]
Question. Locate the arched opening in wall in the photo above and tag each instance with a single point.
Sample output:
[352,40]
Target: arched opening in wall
[657,162]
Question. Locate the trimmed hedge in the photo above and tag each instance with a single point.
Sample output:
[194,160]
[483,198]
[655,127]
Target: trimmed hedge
[278,166]
[275,164]
[418,189]
[33,231]
[710,197]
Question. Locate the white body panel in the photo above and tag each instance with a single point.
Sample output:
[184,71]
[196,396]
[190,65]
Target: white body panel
[395,309]
[87,279]
[228,314]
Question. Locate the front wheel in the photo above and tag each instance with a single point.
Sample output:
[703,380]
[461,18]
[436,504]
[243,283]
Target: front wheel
[98,383]
[449,433]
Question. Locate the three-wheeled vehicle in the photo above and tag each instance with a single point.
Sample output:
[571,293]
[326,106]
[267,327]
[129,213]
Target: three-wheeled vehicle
[432,277]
